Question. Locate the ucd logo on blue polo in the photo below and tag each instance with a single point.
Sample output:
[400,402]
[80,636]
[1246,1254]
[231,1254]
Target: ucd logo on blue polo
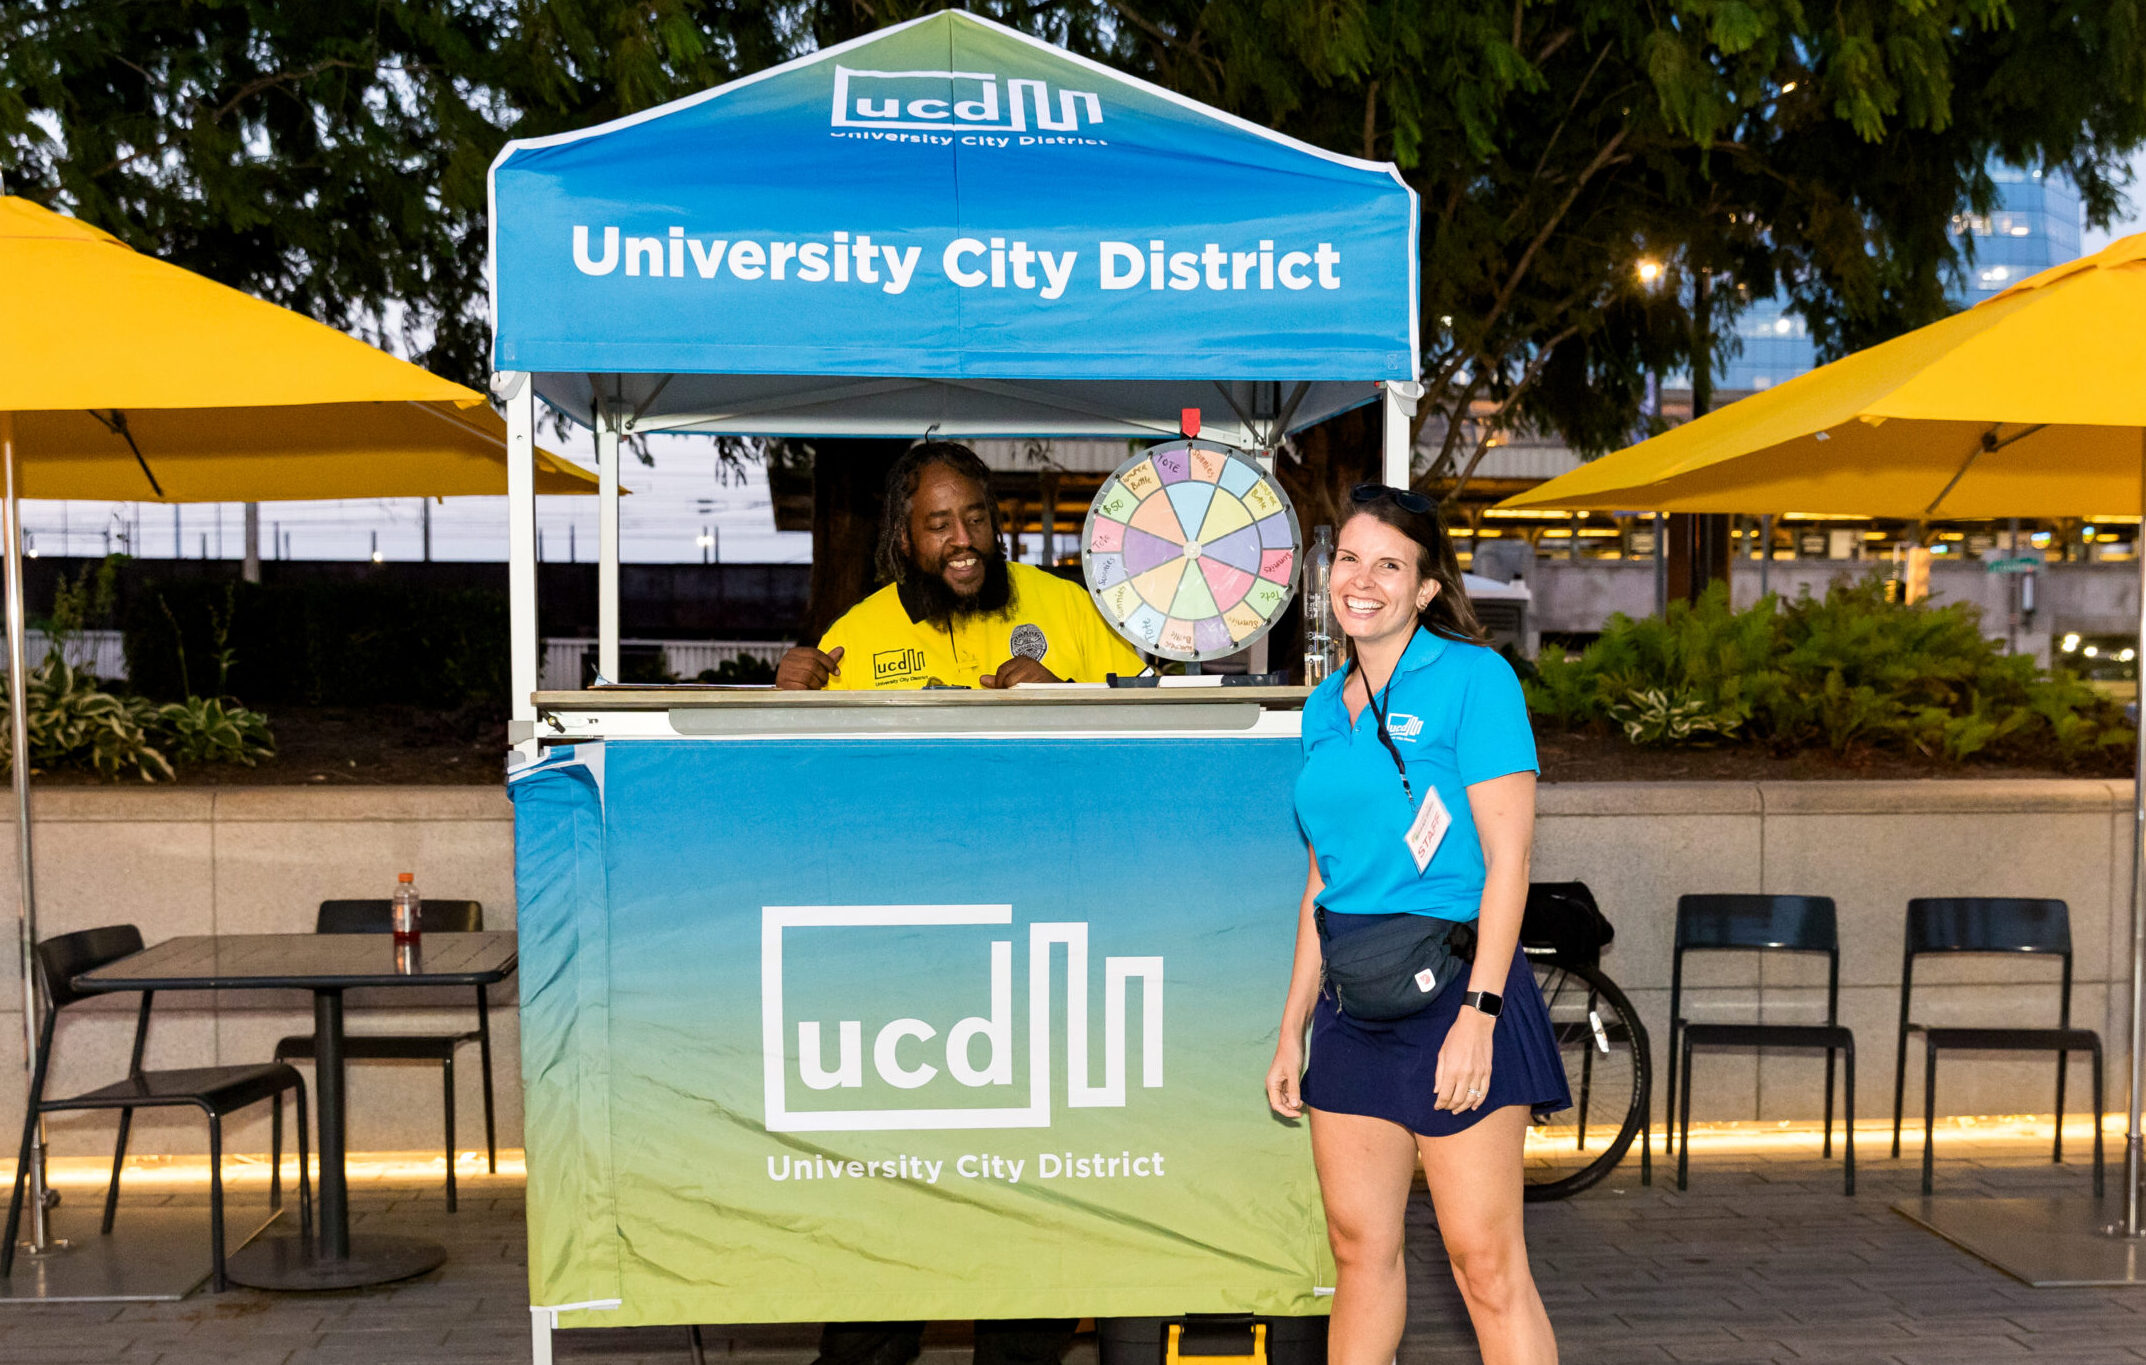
[852,1067]
[957,102]
[1401,725]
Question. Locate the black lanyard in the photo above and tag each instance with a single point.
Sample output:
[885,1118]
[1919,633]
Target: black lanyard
[1378,718]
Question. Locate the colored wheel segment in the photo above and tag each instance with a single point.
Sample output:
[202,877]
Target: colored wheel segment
[1191,550]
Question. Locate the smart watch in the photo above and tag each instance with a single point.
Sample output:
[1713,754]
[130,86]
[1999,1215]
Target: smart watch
[1484,1001]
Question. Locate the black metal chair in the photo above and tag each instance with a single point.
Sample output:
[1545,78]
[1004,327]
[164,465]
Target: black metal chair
[1958,925]
[1759,924]
[438,916]
[215,1090]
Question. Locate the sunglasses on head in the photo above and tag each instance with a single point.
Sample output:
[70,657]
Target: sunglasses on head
[1402,498]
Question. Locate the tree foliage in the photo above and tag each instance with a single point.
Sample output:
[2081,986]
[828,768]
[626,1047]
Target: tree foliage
[1822,152]
[332,157]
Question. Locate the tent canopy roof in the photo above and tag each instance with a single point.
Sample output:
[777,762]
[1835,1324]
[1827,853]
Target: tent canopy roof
[950,224]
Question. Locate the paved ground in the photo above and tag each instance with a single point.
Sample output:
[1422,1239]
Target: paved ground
[1762,1261]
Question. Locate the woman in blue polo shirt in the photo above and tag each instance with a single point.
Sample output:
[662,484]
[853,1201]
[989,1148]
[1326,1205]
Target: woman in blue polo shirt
[1425,724]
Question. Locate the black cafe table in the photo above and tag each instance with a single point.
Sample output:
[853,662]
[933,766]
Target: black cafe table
[327,965]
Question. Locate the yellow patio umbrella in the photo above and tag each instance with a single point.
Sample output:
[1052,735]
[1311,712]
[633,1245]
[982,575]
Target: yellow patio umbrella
[126,377]
[131,378]
[2032,403]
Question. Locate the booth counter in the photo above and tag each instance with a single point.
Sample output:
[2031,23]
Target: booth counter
[935,1004]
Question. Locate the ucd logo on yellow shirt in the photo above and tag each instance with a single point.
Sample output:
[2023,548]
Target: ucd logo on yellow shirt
[894,666]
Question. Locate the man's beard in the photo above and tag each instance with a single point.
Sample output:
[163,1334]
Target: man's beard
[942,605]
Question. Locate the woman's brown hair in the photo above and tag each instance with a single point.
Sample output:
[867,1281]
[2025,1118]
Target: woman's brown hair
[1450,613]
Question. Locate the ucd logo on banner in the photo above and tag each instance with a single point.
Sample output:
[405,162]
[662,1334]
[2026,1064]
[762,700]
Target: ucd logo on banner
[976,1053]
[917,100]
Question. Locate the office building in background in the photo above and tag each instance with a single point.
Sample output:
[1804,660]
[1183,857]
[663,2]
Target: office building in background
[2034,224]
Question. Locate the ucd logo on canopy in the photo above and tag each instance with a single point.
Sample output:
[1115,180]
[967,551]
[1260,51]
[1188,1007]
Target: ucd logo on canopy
[977,1053]
[920,101]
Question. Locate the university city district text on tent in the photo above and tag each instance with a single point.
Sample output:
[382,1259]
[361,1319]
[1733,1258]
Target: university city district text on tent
[969,262]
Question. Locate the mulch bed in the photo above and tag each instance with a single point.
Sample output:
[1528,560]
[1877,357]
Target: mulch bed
[1579,756]
[375,747]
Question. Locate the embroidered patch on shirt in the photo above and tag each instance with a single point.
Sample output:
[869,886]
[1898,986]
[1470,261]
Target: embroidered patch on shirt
[1029,643]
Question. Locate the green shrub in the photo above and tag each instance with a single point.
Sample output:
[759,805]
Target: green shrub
[214,730]
[1846,672]
[73,724]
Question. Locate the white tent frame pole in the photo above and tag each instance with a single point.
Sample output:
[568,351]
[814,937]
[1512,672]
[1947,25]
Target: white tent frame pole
[607,443]
[520,396]
[40,1239]
[2134,1147]
[1397,412]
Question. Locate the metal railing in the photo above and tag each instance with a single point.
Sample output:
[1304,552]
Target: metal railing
[102,653]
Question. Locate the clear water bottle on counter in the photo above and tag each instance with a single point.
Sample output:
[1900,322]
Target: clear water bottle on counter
[1322,631]
[408,919]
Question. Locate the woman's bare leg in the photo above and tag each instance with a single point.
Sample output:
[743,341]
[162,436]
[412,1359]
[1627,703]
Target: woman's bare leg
[1476,1186]
[1365,1166]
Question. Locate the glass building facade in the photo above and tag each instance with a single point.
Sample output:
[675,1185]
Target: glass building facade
[2035,224]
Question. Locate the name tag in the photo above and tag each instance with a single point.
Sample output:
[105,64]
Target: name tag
[1428,830]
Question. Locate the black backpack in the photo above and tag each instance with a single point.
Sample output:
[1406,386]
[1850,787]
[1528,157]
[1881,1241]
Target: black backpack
[1563,923]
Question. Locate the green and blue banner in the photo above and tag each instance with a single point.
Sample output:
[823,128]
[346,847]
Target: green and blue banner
[911,1027]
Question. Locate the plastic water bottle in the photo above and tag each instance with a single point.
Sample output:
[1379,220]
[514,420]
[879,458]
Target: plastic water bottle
[408,919]
[1321,628]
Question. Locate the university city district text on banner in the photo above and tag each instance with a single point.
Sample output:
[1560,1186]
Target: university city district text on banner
[890,1040]
[969,262]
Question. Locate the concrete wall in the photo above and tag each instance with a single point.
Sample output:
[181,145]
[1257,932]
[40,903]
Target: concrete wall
[259,860]
[1871,846]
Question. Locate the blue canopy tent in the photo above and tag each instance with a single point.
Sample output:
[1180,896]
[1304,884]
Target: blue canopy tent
[945,225]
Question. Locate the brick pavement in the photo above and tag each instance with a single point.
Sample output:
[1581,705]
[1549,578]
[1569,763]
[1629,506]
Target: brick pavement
[1762,1261]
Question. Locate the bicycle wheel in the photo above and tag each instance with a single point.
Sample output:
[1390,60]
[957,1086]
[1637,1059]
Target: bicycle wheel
[1608,1066]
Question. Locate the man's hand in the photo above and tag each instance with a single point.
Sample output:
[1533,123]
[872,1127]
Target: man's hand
[805,669]
[1019,669]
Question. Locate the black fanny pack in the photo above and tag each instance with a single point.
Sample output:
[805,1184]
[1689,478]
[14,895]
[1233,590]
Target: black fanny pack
[1393,968]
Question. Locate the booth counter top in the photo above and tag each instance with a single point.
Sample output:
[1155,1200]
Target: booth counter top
[1043,694]
[675,712]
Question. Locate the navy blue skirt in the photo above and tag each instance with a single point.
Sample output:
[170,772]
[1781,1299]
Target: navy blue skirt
[1389,1070]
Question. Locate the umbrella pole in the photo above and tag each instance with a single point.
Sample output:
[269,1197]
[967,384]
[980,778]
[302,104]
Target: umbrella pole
[40,1239]
[2134,1149]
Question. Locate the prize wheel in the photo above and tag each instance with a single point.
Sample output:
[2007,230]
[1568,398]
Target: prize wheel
[1190,550]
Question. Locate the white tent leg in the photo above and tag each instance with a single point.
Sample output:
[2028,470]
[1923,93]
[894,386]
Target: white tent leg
[607,441]
[1395,410]
[520,396]
[18,672]
[542,1323]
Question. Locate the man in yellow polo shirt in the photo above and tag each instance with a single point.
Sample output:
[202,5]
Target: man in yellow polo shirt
[954,612]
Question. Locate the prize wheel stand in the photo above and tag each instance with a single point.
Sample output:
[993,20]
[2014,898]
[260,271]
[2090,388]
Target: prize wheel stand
[1190,551]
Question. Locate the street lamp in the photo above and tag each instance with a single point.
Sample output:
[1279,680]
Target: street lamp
[1649,271]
